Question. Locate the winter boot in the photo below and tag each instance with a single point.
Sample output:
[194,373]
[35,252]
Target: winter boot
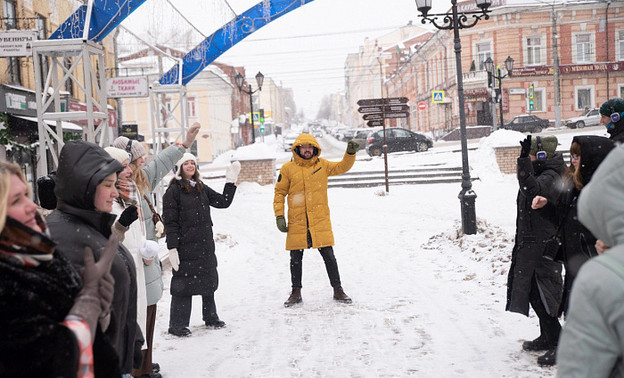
[340,296]
[295,297]
[549,358]
[215,323]
[536,345]
[180,332]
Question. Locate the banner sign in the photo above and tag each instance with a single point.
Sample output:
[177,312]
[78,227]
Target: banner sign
[129,86]
[16,42]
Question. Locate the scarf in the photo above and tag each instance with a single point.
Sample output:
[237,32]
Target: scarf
[25,245]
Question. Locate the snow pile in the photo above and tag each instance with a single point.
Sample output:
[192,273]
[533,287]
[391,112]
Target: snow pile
[485,256]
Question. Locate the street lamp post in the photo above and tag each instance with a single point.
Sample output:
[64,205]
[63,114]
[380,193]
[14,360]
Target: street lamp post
[239,79]
[489,67]
[455,21]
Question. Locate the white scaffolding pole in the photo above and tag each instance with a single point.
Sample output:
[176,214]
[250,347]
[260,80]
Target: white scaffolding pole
[48,92]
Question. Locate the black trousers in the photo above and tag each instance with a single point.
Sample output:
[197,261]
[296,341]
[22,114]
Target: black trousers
[296,266]
[549,325]
[180,311]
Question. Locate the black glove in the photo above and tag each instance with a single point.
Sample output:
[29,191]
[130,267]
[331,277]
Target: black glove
[525,147]
[352,147]
[128,216]
[45,191]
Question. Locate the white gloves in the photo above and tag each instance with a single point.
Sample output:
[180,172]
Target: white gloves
[149,250]
[231,172]
[174,259]
[159,228]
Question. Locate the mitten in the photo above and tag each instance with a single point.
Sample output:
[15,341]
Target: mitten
[45,190]
[129,215]
[352,147]
[149,250]
[525,147]
[159,228]
[231,173]
[281,223]
[107,290]
[174,259]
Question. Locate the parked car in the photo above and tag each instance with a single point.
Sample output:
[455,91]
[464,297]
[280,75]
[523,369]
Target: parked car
[526,123]
[316,132]
[346,135]
[362,136]
[288,140]
[397,139]
[590,118]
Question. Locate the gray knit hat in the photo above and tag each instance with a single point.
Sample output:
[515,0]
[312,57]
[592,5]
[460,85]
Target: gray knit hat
[133,147]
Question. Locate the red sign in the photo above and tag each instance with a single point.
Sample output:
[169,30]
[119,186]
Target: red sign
[82,107]
[422,105]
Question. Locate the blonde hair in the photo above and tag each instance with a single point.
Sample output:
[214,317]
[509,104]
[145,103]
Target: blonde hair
[140,179]
[6,170]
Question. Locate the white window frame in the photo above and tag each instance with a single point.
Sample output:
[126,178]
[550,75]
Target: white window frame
[542,50]
[592,48]
[541,107]
[191,106]
[592,97]
[476,54]
[619,45]
[620,91]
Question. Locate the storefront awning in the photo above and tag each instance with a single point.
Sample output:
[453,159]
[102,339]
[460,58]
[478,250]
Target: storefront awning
[67,126]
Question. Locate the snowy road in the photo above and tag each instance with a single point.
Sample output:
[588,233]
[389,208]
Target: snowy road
[422,307]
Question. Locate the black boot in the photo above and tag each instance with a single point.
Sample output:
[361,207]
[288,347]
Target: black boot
[294,298]
[215,323]
[340,296]
[180,332]
[538,344]
[549,358]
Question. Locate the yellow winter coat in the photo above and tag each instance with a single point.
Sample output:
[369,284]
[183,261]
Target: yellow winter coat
[305,184]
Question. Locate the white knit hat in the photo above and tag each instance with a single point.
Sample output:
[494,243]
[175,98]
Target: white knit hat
[134,147]
[186,157]
[118,154]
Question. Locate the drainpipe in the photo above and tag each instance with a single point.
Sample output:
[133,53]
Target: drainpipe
[607,30]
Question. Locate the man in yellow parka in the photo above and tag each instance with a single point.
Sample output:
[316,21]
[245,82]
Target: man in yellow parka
[304,181]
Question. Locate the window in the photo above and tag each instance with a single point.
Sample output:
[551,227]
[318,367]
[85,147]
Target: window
[10,17]
[13,70]
[621,90]
[191,107]
[619,45]
[400,133]
[539,98]
[584,97]
[534,50]
[484,51]
[42,33]
[583,48]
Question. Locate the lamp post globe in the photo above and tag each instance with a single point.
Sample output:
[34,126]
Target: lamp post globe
[509,63]
[239,79]
[259,80]
[483,4]
[423,6]
[489,64]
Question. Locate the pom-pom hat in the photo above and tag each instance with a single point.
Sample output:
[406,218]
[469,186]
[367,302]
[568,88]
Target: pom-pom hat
[186,157]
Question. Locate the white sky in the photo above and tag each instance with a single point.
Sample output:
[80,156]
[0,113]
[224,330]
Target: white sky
[427,301]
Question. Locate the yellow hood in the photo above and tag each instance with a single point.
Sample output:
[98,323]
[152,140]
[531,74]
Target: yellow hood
[305,139]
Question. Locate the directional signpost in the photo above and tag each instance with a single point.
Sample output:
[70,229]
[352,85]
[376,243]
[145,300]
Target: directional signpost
[376,110]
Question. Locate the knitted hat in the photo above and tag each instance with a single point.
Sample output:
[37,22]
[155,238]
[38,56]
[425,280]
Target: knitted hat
[549,144]
[613,105]
[117,154]
[186,157]
[133,147]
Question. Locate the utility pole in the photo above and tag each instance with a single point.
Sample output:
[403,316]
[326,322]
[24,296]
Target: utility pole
[557,84]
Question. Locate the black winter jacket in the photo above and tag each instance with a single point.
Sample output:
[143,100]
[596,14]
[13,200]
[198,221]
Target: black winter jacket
[189,229]
[75,224]
[533,229]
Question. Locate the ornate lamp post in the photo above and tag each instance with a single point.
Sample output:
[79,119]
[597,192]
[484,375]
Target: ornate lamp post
[489,67]
[239,79]
[455,21]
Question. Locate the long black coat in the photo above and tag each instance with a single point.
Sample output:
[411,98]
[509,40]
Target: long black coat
[75,224]
[533,229]
[189,229]
[577,242]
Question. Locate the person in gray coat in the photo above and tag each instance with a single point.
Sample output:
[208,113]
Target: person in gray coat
[592,340]
[147,178]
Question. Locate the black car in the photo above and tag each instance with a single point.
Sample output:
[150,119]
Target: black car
[397,139]
[526,123]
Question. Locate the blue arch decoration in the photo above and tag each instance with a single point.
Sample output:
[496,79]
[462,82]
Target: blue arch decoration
[106,15]
[230,34]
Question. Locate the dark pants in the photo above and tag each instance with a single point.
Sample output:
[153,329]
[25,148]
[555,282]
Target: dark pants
[180,312]
[296,265]
[549,325]
[146,366]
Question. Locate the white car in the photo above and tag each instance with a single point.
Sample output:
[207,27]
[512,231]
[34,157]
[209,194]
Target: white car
[288,140]
[590,118]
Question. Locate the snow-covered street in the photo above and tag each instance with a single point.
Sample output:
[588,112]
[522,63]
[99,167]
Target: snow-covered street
[427,300]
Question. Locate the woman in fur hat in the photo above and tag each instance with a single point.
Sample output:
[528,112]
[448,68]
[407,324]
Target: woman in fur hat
[186,212]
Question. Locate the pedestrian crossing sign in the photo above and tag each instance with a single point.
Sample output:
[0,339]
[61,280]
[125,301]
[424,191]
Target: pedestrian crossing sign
[437,97]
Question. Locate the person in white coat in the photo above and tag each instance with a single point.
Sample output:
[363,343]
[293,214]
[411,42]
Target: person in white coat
[592,340]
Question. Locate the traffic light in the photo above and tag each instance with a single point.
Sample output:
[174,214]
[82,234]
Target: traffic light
[261,116]
[531,92]
[531,105]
